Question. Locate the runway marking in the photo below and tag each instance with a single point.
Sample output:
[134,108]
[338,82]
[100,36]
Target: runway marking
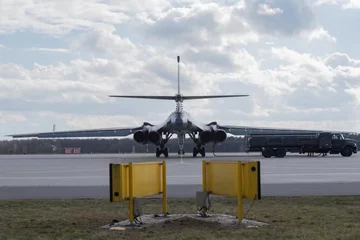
[184,176]
[313,168]
[179,176]
[54,177]
[66,177]
[308,174]
[60,171]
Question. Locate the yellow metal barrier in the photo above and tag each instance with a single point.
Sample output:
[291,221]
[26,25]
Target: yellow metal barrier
[132,180]
[232,179]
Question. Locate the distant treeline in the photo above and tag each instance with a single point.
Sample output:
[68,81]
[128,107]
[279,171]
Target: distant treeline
[48,146]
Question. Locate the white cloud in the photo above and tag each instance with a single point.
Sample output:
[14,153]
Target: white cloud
[76,121]
[341,59]
[9,117]
[265,9]
[345,4]
[57,18]
[256,47]
[57,50]
[319,33]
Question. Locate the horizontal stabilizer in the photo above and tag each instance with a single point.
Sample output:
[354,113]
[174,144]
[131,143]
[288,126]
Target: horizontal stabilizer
[176,97]
[211,96]
[145,97]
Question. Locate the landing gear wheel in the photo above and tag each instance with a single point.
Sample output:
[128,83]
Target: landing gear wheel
[199,150]
[158,152]
[202,151]
[166,152]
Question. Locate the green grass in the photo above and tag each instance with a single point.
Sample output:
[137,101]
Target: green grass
[288,218]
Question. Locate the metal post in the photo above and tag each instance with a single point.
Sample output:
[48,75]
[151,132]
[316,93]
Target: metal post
[131,198]
[204,187]
[240,195]
[164,187]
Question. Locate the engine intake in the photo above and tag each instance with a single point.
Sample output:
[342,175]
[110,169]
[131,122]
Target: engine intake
[154,137]
[213,136]
[206,136]
[141,136]
[220,136]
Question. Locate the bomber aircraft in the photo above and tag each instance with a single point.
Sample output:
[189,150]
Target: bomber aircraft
[179,122]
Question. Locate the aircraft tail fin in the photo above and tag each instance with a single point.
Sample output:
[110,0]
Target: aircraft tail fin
[177,97]
[178,60]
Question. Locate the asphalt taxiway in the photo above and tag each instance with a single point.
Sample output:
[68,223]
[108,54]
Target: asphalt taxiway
[87,175]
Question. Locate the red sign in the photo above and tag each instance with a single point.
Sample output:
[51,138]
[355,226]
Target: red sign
[72,150]
[77,150]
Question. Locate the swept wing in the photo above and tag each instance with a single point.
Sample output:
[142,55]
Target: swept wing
[102,132]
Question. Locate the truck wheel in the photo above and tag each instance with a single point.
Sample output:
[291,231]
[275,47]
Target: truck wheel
[267,153]
[346,152]
[281,152]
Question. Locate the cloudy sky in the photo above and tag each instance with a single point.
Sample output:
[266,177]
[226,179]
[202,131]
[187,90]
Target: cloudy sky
[298,60]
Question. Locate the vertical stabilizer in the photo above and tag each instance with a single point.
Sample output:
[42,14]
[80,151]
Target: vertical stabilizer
[178,59]
[178,98]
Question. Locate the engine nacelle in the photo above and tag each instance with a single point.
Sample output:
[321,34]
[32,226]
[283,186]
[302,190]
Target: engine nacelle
[154,137]
[206,136]
[213,136]
[141,136]
[220,136]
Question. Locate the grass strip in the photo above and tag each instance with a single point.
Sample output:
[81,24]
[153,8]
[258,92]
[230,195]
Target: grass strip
[288,218]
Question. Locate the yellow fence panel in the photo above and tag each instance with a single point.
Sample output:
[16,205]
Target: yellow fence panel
[222,178]
[251,189]
[232,179]
[115,182]
[147,179]
[133,180]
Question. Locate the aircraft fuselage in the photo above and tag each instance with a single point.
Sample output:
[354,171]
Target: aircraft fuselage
[179,122]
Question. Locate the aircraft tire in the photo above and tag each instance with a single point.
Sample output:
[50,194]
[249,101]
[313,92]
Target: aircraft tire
[203,152]
[195,151]
[157,152]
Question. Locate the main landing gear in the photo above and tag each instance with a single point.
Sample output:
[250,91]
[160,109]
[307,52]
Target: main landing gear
[199,149]
[162,149]
[181,152]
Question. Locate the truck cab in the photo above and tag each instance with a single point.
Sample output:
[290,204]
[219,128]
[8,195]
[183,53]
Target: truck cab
[345,146]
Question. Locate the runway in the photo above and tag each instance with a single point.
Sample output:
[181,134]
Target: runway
[87,176]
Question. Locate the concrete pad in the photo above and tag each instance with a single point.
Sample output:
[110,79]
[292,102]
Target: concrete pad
[152,219]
